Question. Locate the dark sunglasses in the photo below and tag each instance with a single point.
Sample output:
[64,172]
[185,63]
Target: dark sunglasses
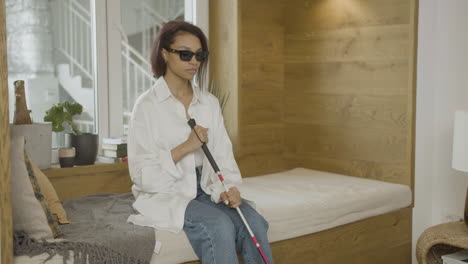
[187,55]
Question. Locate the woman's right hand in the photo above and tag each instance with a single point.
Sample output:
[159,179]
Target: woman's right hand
[193,142]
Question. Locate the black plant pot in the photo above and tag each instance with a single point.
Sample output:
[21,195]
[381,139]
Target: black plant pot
[86,146]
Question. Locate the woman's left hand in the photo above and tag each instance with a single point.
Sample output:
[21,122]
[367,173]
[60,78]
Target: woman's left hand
[233,197]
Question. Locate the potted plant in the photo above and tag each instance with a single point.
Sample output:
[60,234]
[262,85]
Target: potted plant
[85,144]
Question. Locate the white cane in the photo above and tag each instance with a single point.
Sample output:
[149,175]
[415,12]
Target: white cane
[207,152]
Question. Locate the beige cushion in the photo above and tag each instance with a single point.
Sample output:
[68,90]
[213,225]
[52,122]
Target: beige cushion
[28,215]
[51,219]
[50,194]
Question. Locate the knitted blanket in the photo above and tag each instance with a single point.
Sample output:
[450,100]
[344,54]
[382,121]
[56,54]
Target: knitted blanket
[98,233]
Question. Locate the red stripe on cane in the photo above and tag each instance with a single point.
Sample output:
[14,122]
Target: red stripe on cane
[255,241]
[220,177]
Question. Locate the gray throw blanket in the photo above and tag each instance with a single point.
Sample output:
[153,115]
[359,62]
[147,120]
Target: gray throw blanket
[99,232]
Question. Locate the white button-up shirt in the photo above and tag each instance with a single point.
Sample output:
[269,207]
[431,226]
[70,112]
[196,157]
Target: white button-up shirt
[163,189]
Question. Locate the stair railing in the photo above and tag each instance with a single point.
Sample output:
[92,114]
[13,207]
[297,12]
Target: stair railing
[74,31]
[136,77]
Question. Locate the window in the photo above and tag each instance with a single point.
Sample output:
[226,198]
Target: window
[50,48]
[92,52]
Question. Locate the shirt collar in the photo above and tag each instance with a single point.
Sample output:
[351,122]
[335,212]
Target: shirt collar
[197,93]
[161,89]
[163,92]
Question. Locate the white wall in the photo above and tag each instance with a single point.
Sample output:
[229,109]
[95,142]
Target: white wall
[441,89]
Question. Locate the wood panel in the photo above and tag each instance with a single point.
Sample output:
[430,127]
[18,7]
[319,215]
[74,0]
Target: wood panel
[262,94]
[353,242]
[252,165]
[350,44]
[384,239]
[348,111]
[349,77]
[394,172]
[400,254]
[263,76]
[6,221]
[224,59]
[261,97]
[345,67]
[260,14]
[336,14]
[262,45]
[263,138]
[376,145]
[357,77]
[261,106]
[84,180]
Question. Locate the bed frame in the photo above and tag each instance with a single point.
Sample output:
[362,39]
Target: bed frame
[383,239]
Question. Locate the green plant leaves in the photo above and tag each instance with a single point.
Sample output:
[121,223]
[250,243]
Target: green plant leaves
[63,112]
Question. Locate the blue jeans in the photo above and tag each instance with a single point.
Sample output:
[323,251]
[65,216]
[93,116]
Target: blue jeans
[216,232]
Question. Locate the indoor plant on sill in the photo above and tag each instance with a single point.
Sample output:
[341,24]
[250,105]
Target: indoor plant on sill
[85,144]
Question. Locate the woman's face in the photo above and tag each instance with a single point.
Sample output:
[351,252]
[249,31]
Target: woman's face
[183,69]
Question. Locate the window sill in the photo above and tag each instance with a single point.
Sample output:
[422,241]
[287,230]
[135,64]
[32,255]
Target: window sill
[86,170]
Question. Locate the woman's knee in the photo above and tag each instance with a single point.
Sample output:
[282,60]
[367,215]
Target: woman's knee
[261,225]
[258,222]
[223,228]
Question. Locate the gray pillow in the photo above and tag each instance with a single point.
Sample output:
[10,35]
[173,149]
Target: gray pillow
[28,215]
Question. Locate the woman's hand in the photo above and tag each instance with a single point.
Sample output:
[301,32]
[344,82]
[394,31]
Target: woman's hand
[232,198]
[193,142]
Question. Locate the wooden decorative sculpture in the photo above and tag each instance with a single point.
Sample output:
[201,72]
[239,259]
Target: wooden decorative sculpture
[21,110]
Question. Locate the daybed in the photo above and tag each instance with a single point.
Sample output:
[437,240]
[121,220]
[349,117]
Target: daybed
[314,216]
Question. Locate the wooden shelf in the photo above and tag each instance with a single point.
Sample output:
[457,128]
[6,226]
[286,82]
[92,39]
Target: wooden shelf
[84,180]
[55,172]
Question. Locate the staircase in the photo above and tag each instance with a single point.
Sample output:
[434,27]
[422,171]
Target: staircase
[74,50]
[136,77]
[74,87]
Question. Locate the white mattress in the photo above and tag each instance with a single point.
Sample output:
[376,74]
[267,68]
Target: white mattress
[299,202]
[303,201]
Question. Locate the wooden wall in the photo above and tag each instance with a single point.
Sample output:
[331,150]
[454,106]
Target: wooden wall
[348,79]
[224,59]
[329,85]
[6,222]
[261,86]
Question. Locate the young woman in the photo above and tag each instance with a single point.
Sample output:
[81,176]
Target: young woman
[174,186]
